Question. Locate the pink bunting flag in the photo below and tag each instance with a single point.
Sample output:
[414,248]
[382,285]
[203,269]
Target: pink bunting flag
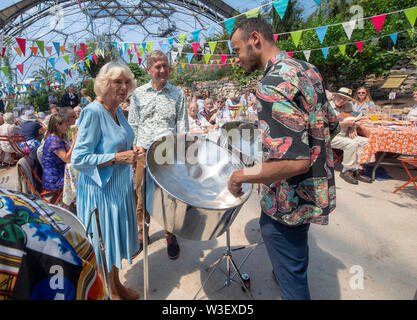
[81,54]
[3,52]
[69,73]
[20,67]
[212,66]
[223,57]
[205,67]
[291,54]
[49,49]
[378,22]
[220,66]
[22,45]
[190,66]
[359,45]
[95,58]
[195,47]
[276,37]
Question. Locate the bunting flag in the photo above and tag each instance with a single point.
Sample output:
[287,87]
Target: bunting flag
[207,57]
[182,38]
[81,54]
[3,52]
[20,67]
[291,54]
[180,50]
[318,2]
[195,48]
[57,47]
[223,58]
[411,15]
[349,27]
[49,50]
[22,45]
[296,37]
[58,76]
[189,57]
[62,49]
[325,52]
[280,7]
[212,46]
[195,34]
[149,46]
[359,45]
[18,50]
[66,58]
[276,37]
[5,71]
[87,62]
[95,58]
[307,54]
[342,49]
[252,13]
[394,38]
[173,56]
[34,50]
[52,62]
[321,33]
[229,25]
[378,22]
[171,41]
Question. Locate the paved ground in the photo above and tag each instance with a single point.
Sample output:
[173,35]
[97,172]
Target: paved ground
[372,232]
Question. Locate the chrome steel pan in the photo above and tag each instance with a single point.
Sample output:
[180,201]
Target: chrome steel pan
[190,197]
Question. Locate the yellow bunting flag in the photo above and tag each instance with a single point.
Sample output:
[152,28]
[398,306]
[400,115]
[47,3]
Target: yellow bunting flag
[212,45]
[182,38]
[253,13]
[343,49]
[296,37]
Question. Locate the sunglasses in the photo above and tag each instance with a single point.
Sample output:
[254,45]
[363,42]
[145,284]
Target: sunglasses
[361,92]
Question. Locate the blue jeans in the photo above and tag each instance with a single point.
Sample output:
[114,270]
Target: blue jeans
[288,251]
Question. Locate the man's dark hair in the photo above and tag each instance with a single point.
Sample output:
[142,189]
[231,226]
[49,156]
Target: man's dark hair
[250,25]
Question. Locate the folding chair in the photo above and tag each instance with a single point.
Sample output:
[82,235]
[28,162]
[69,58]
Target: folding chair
[404,162]
[51,197]
[337,156]
[15,142]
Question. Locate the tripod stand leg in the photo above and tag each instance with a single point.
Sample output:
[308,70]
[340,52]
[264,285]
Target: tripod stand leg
[214,267]
[240,277]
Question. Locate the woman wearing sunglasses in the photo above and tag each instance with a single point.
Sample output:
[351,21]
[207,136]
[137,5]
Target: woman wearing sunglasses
[362,102]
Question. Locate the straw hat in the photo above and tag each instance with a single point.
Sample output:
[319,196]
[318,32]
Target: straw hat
[29,115]
[345,92]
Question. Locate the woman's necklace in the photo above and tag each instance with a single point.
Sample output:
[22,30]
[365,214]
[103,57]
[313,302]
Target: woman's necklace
[109,110]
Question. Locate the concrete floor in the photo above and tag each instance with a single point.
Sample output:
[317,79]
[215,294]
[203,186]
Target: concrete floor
[371,233]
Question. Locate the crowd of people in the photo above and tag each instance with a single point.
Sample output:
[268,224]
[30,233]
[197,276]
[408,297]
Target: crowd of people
[105,140]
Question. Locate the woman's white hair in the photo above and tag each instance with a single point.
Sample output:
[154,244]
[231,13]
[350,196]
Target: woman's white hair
[110,71]
[8,118]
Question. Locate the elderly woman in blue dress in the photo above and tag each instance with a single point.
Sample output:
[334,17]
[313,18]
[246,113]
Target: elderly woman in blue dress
[104,154]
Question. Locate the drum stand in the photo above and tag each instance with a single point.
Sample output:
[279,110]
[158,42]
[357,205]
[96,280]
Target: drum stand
[229,261]
[145,239]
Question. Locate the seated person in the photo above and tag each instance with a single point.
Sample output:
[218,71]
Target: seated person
[223,113]
[8,129]
[362,102]
[208,109]
[30,128]
[412,115]
[85,99]
[198,124]
[56,153]
[248,98]
[348,139]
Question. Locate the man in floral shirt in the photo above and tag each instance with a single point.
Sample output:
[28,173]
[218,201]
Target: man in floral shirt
[296,176]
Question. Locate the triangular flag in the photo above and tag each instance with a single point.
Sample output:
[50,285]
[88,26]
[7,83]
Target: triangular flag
[207,57]
[40,45]
[149,46]
[318,2]
[321,33]
[180,50]
[52,62]
[95,58]
[378,22]
[57,45]
[229,44]
[171,41]
[190,66]
[49,49]
[5,71]
[62,49]
[87,62]
[173,55]
[58,76]
[74,66]
[281,6]
[189,57]
[18,50]
[229,25]
[411,15]
[212,46]
[291,54]
[296,37]
[394,38]
[22,45]
[342,49]
[66,58]
[81,54]
[195,47]
[307,54]
[223,57]
[213,66]
[349,27]
[325,52]
[253,13]
[182,38]
[276,37]
[195,34]
[359,44]
[69,72]
[20,67]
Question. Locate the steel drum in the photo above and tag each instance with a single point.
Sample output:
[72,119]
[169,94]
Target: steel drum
[188,175]
[70,219]
[243,139]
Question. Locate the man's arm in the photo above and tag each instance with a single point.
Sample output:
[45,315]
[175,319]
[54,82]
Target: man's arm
[182,115]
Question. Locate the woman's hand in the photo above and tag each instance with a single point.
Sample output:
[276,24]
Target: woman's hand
[126,157]
[352,133]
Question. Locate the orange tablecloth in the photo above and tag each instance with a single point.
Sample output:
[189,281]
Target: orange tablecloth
[385,139]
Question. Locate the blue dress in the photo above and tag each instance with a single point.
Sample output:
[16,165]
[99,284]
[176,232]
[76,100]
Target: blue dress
[109,189]
[53,166]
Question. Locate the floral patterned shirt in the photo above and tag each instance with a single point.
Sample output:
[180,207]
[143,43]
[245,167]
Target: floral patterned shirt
[154,114]
[296,122]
